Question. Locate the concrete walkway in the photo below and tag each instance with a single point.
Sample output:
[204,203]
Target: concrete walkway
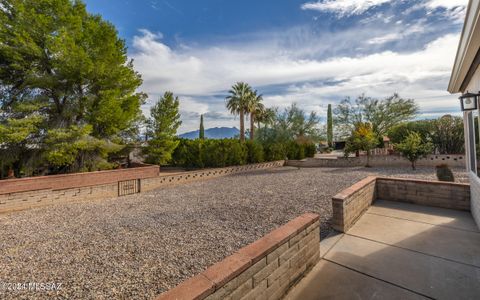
[398,251]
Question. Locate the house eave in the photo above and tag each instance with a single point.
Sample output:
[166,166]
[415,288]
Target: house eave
[467,49]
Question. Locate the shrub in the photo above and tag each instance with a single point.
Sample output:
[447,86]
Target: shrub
[444,173]
[310,150]
[255,152]
[215,153]
[189,154]
[210,153]
[231,152]
[413,148]
[236,153]
[297,150]
[293,150]
[275,151]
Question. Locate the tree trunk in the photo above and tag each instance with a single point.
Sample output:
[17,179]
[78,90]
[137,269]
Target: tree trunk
[242,126]
[252,126]
[413,165]
[368,159]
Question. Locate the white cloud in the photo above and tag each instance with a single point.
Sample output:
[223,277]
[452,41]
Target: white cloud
[199,75]
[385,38]
[343,7]
[406,31]
[448,4]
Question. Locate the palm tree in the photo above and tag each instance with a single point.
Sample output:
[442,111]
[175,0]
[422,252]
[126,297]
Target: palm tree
[255,107]
[237,103]
[267,117]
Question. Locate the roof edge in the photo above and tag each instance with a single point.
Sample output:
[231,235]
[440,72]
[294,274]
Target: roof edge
[468,47]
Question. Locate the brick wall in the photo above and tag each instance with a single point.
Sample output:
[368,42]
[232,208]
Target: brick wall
[349,205]
[265,269]
[454,161]
[76,180]
[352,202]
[24,193]
[431,193]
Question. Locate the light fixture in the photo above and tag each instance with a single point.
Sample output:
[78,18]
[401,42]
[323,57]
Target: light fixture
[469,101]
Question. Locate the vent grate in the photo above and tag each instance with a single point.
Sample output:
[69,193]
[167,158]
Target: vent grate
[128,187]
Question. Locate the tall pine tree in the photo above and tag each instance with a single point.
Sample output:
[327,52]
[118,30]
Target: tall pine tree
[66,80]
[162,128]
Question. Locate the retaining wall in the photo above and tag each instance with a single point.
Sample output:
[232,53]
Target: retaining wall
[265,269]
[184,177]
[431,193]
[76,180]
[350,204]
[453,161]
[24,193]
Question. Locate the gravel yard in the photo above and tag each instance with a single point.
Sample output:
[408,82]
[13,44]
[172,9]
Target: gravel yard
[137,246]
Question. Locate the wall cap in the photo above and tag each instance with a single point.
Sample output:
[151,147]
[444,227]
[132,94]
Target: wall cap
[216,276]
[422,181]
[348,192]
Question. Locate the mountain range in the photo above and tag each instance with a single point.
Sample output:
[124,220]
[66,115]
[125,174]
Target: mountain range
[212,133]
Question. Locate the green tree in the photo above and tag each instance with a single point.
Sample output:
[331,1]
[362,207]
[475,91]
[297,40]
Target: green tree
[382,114]
[291,124]
[363,138]
[75,149]
[298,125]
[266,117]
[255,107]
[330,126]
[51,58]
[162,128]
[399,132]
[19,128]
[237,102]
[447,135]
[413,148]
[201,133]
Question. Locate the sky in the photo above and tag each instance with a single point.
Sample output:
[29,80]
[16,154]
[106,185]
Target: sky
[312,53]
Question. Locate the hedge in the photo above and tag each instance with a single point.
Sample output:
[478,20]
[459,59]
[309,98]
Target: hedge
[212,153]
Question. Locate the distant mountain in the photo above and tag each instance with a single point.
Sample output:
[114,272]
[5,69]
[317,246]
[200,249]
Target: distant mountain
[212,133]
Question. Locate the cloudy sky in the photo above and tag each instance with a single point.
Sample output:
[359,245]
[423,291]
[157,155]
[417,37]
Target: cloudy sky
[309,52]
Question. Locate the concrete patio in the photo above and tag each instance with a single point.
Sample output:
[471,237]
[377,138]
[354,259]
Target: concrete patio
[398,251]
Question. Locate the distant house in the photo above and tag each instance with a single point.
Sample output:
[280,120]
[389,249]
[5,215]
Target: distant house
[339,145]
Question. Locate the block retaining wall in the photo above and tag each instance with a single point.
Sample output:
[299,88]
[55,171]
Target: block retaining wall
[265,269]
[24,193]
[453,161]
[184,177]
[349,205]
[352,202]
[431,193]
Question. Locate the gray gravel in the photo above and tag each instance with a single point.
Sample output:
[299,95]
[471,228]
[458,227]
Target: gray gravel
[137,246]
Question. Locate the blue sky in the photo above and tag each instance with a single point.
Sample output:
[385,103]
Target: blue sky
[309,52]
